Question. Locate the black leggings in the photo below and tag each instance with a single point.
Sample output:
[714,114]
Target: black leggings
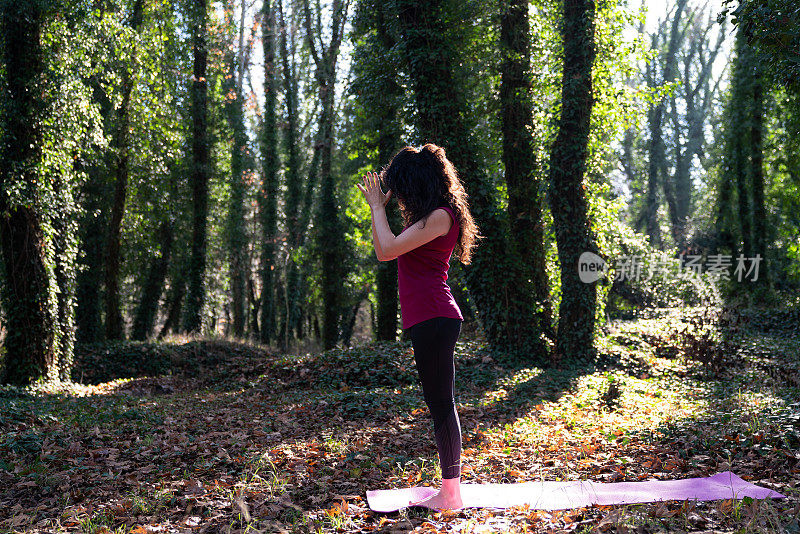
[434,341]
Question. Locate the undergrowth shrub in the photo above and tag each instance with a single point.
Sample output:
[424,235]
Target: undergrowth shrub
[644,277]
[708,337]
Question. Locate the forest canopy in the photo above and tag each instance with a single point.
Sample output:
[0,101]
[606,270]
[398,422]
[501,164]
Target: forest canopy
[189,167]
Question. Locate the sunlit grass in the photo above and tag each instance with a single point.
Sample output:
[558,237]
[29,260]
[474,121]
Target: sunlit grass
[294,454]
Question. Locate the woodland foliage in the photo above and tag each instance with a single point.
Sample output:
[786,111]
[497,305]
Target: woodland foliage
[193,165]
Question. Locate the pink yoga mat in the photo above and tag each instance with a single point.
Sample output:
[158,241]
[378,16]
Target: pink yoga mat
[562,495]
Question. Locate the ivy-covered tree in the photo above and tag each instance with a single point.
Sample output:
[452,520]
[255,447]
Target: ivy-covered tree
[120,156]
[295,211]
[736,153]
[522,172]
[145,316]
[46,125]
[200,168]
[158,200]
[268,196]
[379,98]
[743,154]
[773,26]
[94,224]
[568,157]
[431,38]
[759,92]
[31,316]
[328,218]
[235,57]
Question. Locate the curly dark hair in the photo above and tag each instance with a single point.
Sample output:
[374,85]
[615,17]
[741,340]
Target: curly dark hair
[424,179]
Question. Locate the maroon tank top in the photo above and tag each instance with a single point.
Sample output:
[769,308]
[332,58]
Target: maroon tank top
[422,279]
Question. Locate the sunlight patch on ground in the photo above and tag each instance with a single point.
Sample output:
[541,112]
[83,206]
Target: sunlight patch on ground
[513,381]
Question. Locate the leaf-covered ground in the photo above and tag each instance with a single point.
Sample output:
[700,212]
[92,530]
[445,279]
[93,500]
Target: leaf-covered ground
[216,436]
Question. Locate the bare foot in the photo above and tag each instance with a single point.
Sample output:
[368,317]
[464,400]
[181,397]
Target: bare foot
[447,498]
[440,502]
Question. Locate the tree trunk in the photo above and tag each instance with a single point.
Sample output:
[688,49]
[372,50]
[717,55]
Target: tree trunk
[736,151]
[651,209]
[145,317]
[349,324]
[31,319]
[676,187]
[724,225]
[114,326]
[268,201]
[237,244]
[90,277]
[175,299]
[289,305]
[331,235]
[652,227]
[255,306]
[757,166]
[196,295]
[295,277]
[389,91]
[65,252]
[503,297]
[657,151]
[519,156]
[567,168]
[380,96]
[92,240]
[386,277]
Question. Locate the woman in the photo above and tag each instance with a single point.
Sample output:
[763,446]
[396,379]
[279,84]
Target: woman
[434,207]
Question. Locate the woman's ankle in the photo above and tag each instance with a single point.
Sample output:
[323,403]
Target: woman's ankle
[451,486]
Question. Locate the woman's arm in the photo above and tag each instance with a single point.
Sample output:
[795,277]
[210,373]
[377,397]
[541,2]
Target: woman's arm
[389,247]
[378,251]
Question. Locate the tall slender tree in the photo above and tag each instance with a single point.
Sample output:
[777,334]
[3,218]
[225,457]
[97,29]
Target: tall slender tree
[30,346]
[495,277]
[175,298]
[299,292]
[92,229]
[167,131]
[145,316]
[380,95]
[237,237]
[290,305]
[114,326]
[756,170]
[656,148]
[268,197]
[331,235]
[519,156]
[568,204]
[200,169]
[735,158]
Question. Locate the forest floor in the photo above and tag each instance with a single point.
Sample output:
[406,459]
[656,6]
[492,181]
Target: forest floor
[225,436]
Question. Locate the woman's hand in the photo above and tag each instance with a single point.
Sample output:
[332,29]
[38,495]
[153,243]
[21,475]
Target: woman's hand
[372,190]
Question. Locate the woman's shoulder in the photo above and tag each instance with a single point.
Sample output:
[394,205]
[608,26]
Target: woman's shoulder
[447,209]
[444,215]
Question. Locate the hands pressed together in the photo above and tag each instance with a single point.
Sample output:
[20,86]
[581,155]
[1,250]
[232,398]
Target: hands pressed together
[372,190]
